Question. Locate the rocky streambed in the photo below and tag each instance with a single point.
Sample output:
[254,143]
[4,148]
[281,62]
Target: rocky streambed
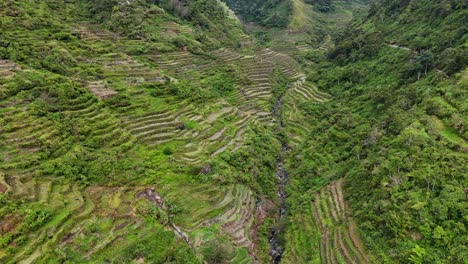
[276,251]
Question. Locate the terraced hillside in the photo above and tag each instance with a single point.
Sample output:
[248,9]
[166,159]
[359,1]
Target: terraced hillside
[309,31]
[162,132]
[338,232]
[394,132]
[107,136]
[327,225]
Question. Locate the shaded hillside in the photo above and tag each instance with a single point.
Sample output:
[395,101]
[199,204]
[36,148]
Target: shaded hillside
[270,13]
[309,32]
[138,18]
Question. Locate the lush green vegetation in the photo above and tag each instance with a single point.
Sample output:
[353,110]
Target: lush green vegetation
[270,13]
[395,130]
[309,32]
[92,98]
[138,19]
[280,13]
[142,131]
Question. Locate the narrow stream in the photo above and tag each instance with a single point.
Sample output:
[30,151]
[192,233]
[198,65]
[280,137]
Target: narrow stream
[276,252]
[182,235]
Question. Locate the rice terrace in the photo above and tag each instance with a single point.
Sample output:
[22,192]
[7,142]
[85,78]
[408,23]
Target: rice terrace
[233,131]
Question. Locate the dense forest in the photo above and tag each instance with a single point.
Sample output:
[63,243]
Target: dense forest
[396,129]
[209,131]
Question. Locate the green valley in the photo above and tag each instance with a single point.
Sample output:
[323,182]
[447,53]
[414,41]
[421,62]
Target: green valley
[209,131]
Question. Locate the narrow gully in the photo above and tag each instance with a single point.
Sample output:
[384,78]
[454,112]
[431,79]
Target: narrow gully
[276,252]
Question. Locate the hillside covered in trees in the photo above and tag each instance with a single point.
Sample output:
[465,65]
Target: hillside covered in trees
[209,131]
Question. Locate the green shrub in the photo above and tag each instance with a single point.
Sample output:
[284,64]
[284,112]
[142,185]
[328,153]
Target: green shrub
[168,151]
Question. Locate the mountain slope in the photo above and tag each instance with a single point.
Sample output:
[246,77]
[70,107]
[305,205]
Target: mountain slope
[395,130]
[159,132]
[129,135]
[271,13]
[309,32]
